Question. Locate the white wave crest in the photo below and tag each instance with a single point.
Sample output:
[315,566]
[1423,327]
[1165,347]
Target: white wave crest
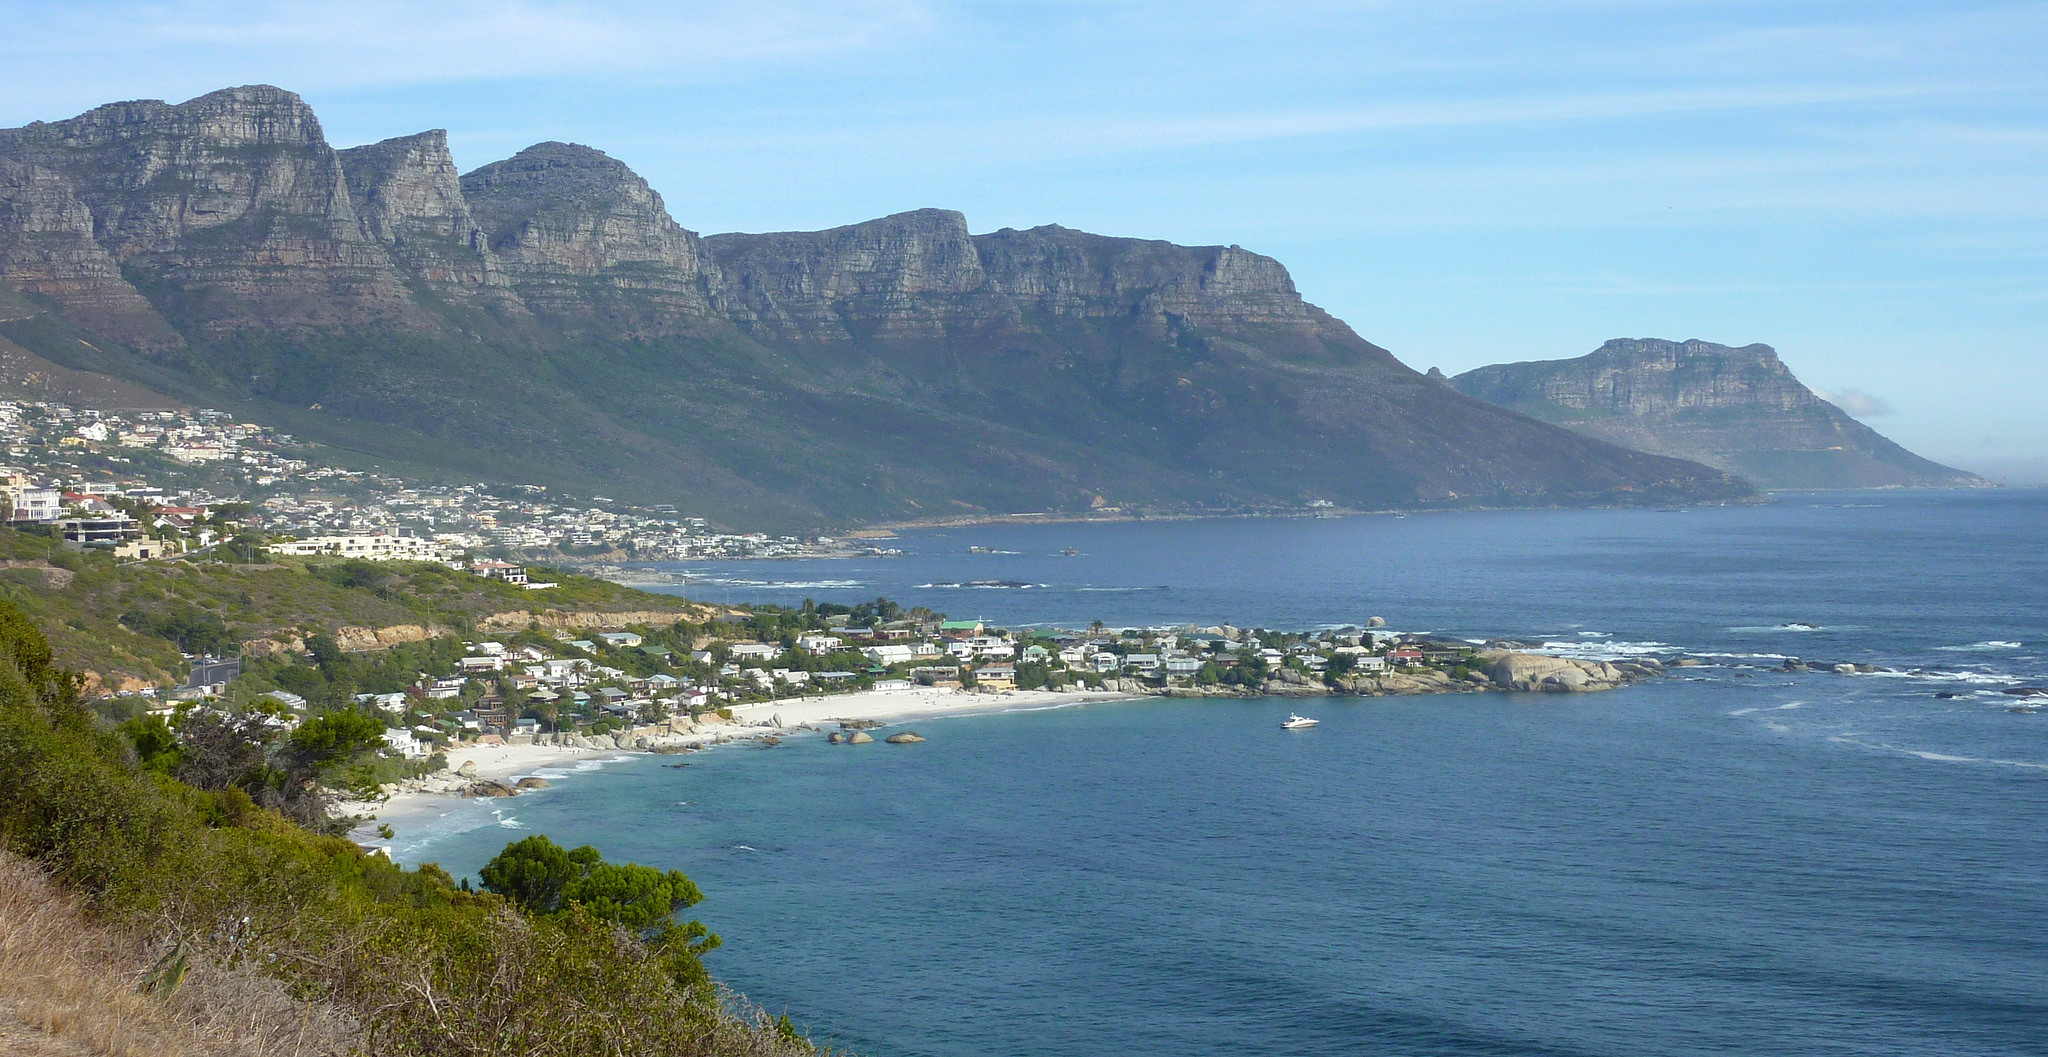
[1603,651]
[1938,757]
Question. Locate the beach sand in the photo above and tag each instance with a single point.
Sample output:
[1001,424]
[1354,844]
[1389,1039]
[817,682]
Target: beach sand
[507,763]
[892,706]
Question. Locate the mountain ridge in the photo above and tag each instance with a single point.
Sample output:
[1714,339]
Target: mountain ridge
[544,317]
[1739,409]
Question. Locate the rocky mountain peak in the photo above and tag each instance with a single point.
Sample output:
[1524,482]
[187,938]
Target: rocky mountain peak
[1633,352]
[408,195]
[568,220]
[235,193]
[251,115]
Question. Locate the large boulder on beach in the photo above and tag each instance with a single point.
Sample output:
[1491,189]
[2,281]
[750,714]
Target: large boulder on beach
[860,737]
[468,769]
[908,737]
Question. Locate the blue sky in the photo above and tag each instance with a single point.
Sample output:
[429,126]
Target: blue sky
[1862,185]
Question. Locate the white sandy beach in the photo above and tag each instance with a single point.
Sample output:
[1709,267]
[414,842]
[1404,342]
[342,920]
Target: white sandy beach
[507,763]
[891,706]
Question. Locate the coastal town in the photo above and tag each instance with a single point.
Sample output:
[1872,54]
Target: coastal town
[163,482]
[763,672]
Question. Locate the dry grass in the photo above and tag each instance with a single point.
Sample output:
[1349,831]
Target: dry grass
[70,986]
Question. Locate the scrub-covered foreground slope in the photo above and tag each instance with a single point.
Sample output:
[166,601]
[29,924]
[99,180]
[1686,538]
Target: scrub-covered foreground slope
[543,318]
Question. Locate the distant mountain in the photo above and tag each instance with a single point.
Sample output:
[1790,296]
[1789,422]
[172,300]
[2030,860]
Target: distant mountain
[544,319]
[1739,410]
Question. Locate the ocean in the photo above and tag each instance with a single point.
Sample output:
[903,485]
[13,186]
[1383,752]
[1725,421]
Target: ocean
[1733,859]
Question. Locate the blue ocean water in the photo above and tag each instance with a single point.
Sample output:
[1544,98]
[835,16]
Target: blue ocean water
[1731,860]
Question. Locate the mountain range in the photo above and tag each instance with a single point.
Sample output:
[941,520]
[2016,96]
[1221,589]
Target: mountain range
[544,319]
[1736,409]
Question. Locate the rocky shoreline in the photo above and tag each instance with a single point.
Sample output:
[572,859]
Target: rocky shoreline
[1492,670]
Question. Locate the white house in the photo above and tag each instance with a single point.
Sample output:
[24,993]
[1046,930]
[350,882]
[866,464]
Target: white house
[404,743]
[377,548]
[890,653]
[819,645]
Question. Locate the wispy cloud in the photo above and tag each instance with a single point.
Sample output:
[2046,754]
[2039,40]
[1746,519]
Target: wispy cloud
[1856,402]
[388,43]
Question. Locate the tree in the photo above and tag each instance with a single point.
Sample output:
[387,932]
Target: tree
[638,897]
[156,748]
[332,738]
[542,877]
[224,750]
[192,629]
[534,872]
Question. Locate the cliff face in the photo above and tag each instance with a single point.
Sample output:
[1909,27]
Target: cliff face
[408,196]
[1075,274]
[544,318]
[897,277]
[587,243]
[921,275]
[1739,409]
[224,210]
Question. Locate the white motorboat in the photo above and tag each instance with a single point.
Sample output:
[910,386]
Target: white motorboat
[1295,722]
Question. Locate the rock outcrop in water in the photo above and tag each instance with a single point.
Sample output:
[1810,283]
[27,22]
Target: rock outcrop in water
[1738,409]
[543,318]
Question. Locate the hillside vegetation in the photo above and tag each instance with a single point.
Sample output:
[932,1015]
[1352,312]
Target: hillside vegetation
[197,886]
[131,624]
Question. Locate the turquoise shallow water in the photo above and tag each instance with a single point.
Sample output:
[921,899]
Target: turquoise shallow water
[1735,860]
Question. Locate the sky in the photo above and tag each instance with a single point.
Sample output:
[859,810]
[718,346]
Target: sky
[1862,185]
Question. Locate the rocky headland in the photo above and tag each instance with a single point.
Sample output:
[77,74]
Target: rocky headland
[1736,409]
